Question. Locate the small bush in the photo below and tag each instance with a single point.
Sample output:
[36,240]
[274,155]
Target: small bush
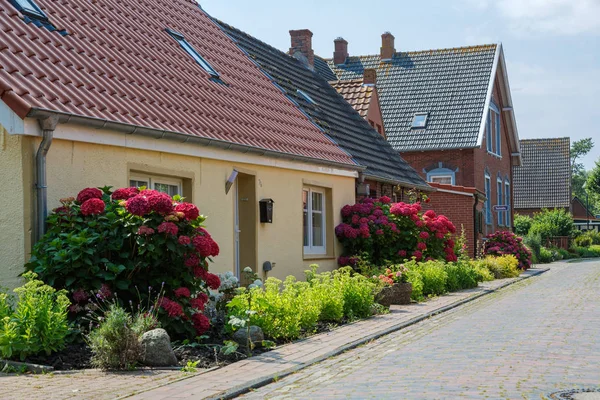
[507,243]
[583,241]
[502,267]
[551,223]
[414,277]
[546,255]
[522,224]
[533,242]
[357,292]
[565,254]
[114,342]
[483,273]
[33,322]
[592,251]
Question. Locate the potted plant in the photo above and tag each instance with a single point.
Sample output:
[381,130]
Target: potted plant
[396,289]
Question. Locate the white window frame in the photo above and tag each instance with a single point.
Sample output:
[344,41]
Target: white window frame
[507,201]
[493,131]
[311,249]
[488,201]
[498,136]
[414,125]
[500,214]
[154,179]
[441,173]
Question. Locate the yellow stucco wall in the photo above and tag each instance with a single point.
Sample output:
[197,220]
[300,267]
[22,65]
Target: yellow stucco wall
[15,207]
[76,165]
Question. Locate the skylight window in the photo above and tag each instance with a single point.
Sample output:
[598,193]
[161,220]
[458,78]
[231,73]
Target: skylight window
[420,120]
[192,52]
[306,97]
[30,9]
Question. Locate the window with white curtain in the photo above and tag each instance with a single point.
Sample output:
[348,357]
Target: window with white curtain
[313,204]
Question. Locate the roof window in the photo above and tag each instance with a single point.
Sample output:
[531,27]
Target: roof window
[32,13]
[419,120]
[192,52]
[306,97]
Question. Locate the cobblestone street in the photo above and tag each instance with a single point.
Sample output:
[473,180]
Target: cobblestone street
[531,339]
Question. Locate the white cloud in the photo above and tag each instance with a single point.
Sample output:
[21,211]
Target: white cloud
[560,17]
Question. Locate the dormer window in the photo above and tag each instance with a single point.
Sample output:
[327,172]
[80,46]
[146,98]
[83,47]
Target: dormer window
[193,53]
[419,120]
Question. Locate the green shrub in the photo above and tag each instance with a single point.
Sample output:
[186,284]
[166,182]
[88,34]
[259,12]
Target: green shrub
[286,314]
[414,277]
[502,267]
[546,255]
[592,251]
[483,273]
[35,321]
[565,254]
[551,223]
[522,224]
[583,241]
[433,276]
[533,241]
[114,342]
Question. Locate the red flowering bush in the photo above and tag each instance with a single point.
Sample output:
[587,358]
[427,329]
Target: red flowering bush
[381,232]
[119,244]
[504,243]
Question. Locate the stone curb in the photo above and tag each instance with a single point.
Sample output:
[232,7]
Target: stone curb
[263,381]
[35,368]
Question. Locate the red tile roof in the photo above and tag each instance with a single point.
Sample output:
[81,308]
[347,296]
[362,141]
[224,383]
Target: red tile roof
[118,63]
[355,93]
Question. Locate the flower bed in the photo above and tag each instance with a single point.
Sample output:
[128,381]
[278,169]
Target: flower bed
[379,233]
[507,243]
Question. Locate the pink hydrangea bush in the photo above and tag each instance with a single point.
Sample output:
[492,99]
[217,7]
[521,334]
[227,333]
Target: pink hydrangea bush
[128,244]
[505,242]
[381,232]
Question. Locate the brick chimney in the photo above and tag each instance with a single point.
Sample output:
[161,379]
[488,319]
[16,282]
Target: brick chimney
[387,46]
[369,76]
[301,47]
[341,51]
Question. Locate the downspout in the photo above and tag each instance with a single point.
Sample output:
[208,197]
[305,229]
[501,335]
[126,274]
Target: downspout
[475,224]
[48,126]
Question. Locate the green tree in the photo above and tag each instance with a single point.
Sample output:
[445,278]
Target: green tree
[593,187]
[579,149]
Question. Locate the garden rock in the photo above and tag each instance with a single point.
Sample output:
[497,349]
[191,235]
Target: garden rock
[256,336]
[156,349]
[398,294]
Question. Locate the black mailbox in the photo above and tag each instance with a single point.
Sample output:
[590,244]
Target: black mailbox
[266,210]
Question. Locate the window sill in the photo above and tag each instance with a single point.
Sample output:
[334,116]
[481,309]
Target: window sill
[318,257]
[498,156]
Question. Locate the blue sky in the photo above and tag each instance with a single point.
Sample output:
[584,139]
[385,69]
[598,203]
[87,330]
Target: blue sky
[552,47]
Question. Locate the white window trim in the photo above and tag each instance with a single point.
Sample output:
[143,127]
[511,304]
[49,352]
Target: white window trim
[154,179]
[412,124]
[310,249]
[488,201]
[441,173]
[493,136]
[499,200]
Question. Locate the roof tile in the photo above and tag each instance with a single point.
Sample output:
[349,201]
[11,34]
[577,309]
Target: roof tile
[118,63]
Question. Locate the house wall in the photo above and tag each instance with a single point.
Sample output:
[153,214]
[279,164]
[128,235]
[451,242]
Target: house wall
[579,210]
[462,161]
[73,165]
[374,114]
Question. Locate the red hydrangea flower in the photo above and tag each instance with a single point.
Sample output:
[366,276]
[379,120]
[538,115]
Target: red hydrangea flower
[379,232]
[190,211]
[402,253]
[172,308]
[421,246]
[200,272]
[89,193]
[214,249]
[138,205]
[160,203]
[169,228]
[192,261]
[199,302]
[184,240]
[201,323]
[212,281]
[149,192]
[424,235]
[385,200]
[346,210]
[417,254]
[182,292]
[145,231]
[125,193]
[93,207]
[203,231]
[204,245]
[430,213]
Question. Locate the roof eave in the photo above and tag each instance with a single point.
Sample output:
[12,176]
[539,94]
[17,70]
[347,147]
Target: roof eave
[425,187]
[183,137]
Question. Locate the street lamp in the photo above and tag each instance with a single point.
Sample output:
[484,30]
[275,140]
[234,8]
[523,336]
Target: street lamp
[587,204]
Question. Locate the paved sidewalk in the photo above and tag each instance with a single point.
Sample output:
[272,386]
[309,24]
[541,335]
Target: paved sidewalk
[237,378]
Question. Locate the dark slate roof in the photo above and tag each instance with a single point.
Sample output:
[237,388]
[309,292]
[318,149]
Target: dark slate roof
[322,67]
[544,178]
[450,84]
[331,112]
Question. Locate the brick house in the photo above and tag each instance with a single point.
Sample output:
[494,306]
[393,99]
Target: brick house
[584,219]
[449,113]
[543,180]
